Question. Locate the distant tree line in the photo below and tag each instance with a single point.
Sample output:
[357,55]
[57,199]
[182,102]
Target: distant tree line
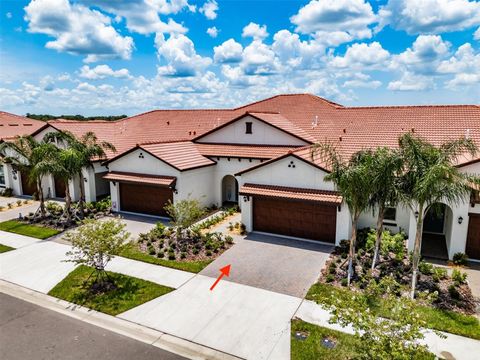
[46,117]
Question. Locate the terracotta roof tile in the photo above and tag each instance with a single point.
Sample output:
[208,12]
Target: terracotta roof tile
[14,125]
[140,178]
[283,192]
[242,151]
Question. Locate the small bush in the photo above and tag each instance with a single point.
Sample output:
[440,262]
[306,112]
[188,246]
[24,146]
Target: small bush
[10,205]
[425,268]
[151,250]
[329,278]
[459,277]
[229,239]
[344,282]
[452,290]
[230,226]
[460,259]
[195,251]
[439,274]
[208,253]
[160,254]
[171,255]
[19,202]
[183,255]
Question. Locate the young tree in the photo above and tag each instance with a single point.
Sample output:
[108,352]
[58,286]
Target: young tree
[184,213]
[393,338]
[95,243]
[89,149]
[385,165]
[429,176]
[32,157]
[352,181]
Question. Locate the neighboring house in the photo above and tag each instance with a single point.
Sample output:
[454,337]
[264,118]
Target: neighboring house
[259,156]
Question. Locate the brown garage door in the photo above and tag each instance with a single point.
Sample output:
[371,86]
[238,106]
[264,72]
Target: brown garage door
[144,199]
[307,220]
[473,238]
[28,188]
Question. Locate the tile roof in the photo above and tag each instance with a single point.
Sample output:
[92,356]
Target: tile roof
[242,151]
[350,128]
[140,178]
[181,155]
[14,125]
[292,193]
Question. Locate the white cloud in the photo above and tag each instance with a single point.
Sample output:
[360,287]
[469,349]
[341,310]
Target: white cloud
[351,18]
[373,84]
[476,35]
[295,52]
[209,9]
[362,55]
[86,87]
[255,31]
[228,52]
[463,80]
[8,15]
[411,82]
[179,53]
[143,16]
[424,55]
[430,16]
[101,72]
[77,30]
[212,31]
[259,59]
[465,64]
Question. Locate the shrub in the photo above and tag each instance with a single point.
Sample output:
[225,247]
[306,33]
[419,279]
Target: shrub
[439,274]
[195,251]
[329,278]
[390,242]
[452,290]
[10,205]
[19,202]
[53,208]
[460,259]
[160,254]
[344,282]
[229,239]
[459,277]
[183,255]
[25,202]
[243,229]
[184,212]
[208,253]
[425,268]
[230,226]
[151,250]
[171,255]
[7,192]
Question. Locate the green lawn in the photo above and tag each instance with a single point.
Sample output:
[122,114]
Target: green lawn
[443,320]
[35,231]
[312,348]
[130,291]
[5,248]
[131,252]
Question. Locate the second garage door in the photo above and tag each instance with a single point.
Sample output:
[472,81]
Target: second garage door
[473,238]
[144,199]
[308,220]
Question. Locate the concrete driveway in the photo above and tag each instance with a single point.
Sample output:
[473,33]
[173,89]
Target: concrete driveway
[283,265]
[244,321]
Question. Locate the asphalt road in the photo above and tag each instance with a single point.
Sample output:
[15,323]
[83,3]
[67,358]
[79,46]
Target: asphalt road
[28,331]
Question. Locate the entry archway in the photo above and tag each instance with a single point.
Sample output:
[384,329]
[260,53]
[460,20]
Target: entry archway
[229,190]
[437,228]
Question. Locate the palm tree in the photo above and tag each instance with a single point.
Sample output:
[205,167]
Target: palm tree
[32,157]
[88,149]
[352,181]
[429,176]
[384,171]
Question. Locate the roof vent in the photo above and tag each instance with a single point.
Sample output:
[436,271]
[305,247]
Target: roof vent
[340,138]
[168,122]
[315,122]
[344,130]
[467,134]
[413,130]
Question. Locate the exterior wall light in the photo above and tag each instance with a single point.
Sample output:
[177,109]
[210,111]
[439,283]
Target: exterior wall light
[114,183]
[246,198]
[85,179]
[416,214]
[460,220]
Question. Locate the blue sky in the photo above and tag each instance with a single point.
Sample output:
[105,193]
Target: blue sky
[99,57]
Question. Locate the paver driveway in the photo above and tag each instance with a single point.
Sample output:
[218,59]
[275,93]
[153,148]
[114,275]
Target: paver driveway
[273,263]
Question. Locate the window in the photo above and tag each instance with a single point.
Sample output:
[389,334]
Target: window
[390,214]
[248,128]
[2,176]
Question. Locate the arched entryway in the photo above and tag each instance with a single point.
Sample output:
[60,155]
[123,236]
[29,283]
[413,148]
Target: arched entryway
[229,190]
[437,226]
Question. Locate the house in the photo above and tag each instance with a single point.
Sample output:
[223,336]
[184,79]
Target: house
[259,156]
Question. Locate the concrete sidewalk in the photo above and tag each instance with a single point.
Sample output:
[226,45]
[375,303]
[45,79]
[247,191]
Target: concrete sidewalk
[16,241]
[457,346]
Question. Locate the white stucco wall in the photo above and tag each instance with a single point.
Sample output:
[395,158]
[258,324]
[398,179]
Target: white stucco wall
[262,133]
[401,223]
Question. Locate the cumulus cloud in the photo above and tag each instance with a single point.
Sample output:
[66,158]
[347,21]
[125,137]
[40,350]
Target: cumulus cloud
[209,9]
[228,52]
[349,18]
[102,72]
[465,64]
[77,30]
[295,52]
[8,15]
[255,31]
[181,58]
[361,55]
[212,31]
[373,84]
[430,16]
[259,59]
[476,35]
[424,55]
[411,82]
[143,16]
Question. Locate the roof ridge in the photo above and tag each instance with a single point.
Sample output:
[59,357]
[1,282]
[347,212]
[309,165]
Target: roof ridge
[316,97]
[155,142]
[407,106]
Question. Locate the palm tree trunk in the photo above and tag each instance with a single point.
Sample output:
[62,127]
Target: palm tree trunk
[81,202]
[351,251]
[416,250]
[378,240]
[68,202]
[40,197]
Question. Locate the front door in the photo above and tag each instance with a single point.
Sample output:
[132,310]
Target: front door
[473,238]
[28,188]
[434,220]
[60,188]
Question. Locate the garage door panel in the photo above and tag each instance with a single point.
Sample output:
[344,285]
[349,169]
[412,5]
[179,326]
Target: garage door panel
[295,218]
[144,199]
[473,238]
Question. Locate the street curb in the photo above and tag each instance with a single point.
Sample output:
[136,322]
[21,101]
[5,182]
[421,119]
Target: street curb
[123,327]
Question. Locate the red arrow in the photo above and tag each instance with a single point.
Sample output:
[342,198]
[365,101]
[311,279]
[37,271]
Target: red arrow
[224,271]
